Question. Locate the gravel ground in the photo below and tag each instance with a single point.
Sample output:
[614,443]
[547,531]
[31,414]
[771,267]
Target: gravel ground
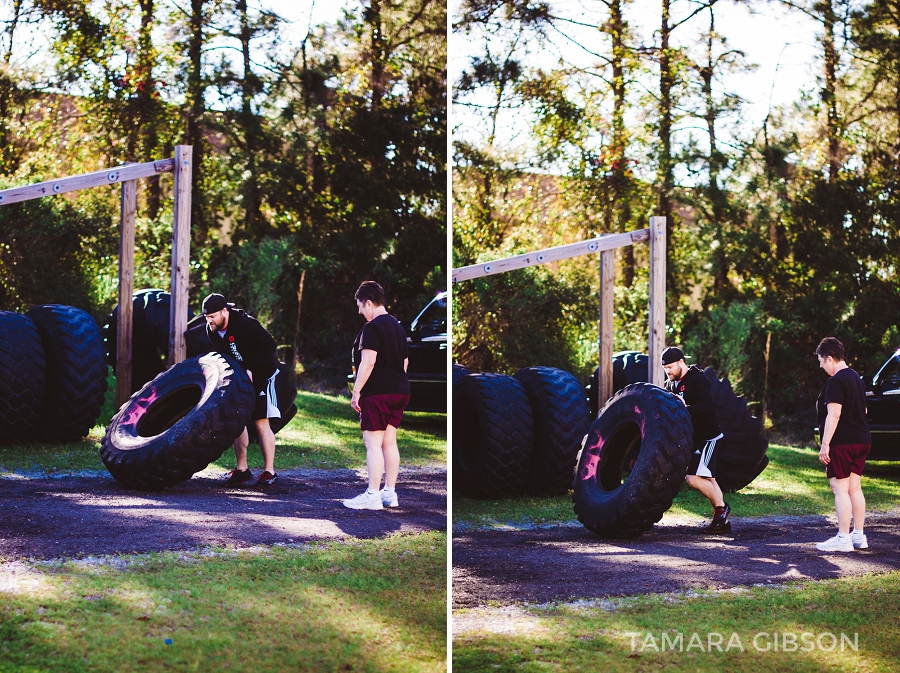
[90,514]
[511,567]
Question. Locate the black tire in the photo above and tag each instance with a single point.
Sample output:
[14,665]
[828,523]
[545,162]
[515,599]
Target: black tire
[742,451]
[492,433]
[628,367]
[458,372]
[286,393]
[647,432]
[22,377]
[178,423]
[150,335]
[76,371]
[561,417]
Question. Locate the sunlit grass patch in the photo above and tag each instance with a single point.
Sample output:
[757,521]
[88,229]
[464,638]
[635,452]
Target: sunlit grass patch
[794,483]
[369,605]
[627,634]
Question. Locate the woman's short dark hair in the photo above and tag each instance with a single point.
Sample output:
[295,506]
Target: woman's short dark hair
[369,290]
[829,346]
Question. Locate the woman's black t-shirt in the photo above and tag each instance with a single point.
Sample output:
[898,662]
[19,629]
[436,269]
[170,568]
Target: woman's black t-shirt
[847,389]
[384,335]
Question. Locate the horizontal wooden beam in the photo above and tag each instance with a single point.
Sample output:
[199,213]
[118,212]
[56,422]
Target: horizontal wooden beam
[599,244]
[74,183]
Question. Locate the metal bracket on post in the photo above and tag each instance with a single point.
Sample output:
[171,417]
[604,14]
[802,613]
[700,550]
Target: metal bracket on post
[181,243]
[657,313]
[126,291]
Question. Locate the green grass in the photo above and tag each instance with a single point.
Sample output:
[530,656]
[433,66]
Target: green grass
[324,434]
[371,605]
[794,483]
[591,638]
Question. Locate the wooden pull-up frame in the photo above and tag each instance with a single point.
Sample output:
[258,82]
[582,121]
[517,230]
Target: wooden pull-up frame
[128,175]
[606,246]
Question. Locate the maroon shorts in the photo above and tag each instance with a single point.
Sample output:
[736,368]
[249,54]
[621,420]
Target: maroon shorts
[379,411]
[847,458]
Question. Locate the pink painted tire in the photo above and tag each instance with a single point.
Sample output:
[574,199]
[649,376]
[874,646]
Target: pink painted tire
[633,462]
[179,423]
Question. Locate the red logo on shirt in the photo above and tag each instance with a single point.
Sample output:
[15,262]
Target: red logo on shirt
[231,339]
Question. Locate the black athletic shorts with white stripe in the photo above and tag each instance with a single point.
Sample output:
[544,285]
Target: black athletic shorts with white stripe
[703,462]
[267,401]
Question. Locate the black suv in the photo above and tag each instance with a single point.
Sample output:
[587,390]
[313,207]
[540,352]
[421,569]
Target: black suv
[426,339]
[883,410]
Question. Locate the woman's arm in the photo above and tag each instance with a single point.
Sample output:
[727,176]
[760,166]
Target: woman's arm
[831,423]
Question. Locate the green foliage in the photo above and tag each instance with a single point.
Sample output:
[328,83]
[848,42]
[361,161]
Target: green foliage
[331,161]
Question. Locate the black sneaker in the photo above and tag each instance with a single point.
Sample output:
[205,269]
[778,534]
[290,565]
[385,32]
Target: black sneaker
[265,481]
[720,522]
[238,477]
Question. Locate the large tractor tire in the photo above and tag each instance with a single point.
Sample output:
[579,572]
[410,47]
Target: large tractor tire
[561,417]
[492,436]
[458,372]
[22,377]
[634,461]
[178,423]
[628,367]
[149,335]
[742,451]
[76,371]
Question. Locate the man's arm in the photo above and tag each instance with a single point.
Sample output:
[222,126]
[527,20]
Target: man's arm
[368,357]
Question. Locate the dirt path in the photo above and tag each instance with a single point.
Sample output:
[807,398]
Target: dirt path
[92,515]
[568,563]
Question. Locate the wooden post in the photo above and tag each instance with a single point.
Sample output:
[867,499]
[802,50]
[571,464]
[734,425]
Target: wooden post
[657,313]
[126,291]
[181,243]
[607,282]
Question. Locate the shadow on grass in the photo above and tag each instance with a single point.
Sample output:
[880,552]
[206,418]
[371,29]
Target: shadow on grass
[377,605]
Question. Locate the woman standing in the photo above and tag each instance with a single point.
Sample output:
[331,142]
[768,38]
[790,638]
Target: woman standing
[841,409]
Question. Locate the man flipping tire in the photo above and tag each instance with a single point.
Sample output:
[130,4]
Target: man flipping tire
[693,388]
[239,335]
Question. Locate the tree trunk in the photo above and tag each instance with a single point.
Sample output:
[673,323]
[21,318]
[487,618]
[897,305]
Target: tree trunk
[621,191]
[297,326]
[716,195]
[829,93]
[196,107]
[253,220]
[665,177]
[377,83]
[6,84]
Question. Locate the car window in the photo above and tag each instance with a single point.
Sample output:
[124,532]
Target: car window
[433,320]
[889,375]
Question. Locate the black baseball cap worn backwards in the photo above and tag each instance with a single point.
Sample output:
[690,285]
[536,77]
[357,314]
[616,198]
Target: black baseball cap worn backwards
[672,354]
[215,303]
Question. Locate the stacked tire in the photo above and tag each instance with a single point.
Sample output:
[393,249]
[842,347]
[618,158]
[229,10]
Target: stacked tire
[149,335]
[516,434]
[53,382]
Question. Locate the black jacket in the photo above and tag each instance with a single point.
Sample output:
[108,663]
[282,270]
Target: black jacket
[248,342]
[695,389]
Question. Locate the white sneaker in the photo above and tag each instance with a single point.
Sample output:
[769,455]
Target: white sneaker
[859,541]
[365,500]
[388,500]
[836,544]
